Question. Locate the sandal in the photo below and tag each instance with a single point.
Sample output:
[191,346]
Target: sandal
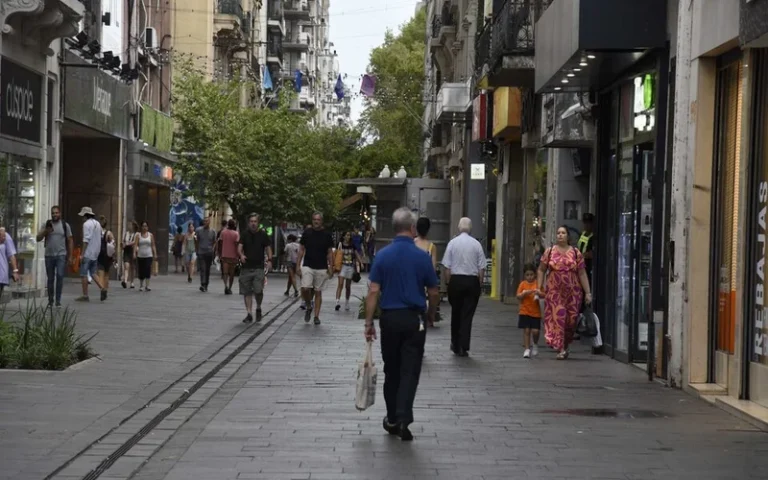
[562,355]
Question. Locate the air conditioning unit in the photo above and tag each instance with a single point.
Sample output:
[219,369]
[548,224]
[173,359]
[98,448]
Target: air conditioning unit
[150,38]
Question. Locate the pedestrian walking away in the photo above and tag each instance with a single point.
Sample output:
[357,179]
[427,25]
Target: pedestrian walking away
[145,253]
[57,237]
[529,319]
[177,249]
[91,249]
[229,253]
[316,253]
[566,279]
[422,230]
[346,262]
[464,263]
[189,250]
[217,252]
[291,257]
[106,256]
[205,245]
[7,259]
[399,279]
[251,247]
[129,265]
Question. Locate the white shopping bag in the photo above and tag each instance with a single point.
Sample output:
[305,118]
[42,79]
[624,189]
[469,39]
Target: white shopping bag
[365,395]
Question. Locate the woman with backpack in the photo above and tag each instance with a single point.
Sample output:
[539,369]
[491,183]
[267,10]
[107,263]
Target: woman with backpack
[106,256]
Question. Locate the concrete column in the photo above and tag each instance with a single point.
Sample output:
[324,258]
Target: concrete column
[680,208]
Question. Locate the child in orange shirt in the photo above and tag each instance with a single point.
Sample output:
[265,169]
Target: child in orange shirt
[530,313]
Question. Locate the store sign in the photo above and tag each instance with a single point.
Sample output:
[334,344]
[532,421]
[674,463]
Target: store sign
[480,118]
[760,346]
[477,171]
[21,92]
[95,98]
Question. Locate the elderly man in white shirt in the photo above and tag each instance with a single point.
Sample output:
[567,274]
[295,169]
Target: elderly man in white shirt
[464,263]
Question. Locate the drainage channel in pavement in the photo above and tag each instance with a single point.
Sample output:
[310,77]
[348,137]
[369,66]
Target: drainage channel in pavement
[142,433]
[609,413]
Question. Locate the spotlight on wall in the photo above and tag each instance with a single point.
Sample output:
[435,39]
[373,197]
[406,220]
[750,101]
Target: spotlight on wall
[82,39]
[94,46]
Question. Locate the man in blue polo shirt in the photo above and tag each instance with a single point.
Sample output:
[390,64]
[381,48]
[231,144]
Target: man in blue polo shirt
[401,273]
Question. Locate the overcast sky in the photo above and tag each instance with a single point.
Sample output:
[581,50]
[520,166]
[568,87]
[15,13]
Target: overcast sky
[356,27]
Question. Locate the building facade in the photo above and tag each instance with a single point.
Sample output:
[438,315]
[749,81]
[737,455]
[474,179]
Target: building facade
[30,125]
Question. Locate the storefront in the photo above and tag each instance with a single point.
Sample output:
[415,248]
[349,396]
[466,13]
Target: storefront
[629,283]
[23,156]
[754,378]
[96,125]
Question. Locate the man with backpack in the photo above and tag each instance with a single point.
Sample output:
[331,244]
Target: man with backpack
[58,246]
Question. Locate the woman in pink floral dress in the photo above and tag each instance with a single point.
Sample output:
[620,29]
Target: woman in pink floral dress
[566,282]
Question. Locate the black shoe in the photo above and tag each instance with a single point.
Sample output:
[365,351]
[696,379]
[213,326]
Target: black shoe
[189,279]
[462,353]
[58,304]
[287,293]
[307,315]
[338,307]
[248,318]
[147,289]
[317,321]
[202,288]
[295,294]
[125,285]
[405,434]
[598,350]
[453,349]
[391,428]
[258,314]
[103,295]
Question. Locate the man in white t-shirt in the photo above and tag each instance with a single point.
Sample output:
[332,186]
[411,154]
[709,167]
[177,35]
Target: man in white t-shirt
[90,253]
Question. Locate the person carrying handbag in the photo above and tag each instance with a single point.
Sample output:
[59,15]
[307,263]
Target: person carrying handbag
[346,261]
[566,283]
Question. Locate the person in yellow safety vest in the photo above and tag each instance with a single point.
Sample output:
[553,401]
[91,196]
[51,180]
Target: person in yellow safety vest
[586,243]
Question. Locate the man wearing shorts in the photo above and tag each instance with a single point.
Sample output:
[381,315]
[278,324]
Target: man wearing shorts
[91,250]
[253,243]
[316,253]
[229,240]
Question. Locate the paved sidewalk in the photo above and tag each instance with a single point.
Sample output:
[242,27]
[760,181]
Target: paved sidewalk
[290,415]
[145,342]
[185,392]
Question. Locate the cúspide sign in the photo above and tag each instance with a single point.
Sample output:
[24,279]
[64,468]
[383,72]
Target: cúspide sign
[21,92]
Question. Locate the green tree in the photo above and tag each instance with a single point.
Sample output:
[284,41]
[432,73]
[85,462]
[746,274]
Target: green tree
[255,160]
[393,118]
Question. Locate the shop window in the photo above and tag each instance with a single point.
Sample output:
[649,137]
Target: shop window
[726,202]
[18,210]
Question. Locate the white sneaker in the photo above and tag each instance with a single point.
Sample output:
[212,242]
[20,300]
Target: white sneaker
[535,351]
[346,306]
[527,353]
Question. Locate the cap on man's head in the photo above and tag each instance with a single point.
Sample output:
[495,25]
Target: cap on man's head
[588,217]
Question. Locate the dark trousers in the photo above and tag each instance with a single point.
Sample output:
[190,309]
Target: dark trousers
[54,269]
[402,349]
[204,262]
[463,295]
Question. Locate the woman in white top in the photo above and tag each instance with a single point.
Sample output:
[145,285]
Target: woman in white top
[144,253]
[128,246]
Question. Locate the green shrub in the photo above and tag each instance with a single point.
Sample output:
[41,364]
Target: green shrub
[361,310]
[37,337]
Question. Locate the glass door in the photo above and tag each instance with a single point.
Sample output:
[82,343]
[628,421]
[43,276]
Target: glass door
[644,161]
[625,267]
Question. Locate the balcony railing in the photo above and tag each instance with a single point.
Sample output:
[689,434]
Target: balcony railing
[482,48]
[275,50]
[444,19]
[230,7]
[513,29]
[275,11]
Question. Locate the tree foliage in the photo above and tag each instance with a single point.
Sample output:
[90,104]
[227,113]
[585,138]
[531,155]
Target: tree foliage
[393,118]
[268,161]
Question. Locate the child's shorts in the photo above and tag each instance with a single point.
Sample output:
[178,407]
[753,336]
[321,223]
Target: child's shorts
[526,321]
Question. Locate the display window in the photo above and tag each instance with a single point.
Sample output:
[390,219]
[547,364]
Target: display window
[19,210]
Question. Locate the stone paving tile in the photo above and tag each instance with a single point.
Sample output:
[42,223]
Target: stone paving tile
[145,341]
[491,416]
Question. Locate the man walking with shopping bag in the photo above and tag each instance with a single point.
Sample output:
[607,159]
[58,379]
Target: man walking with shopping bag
[401,274]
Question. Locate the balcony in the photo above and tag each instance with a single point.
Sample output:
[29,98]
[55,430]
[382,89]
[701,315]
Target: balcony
[584,45]
[275,18]
[453,102]
[38,23]
[230,20]
[289,73]
[275,54]
[443,37]
[297,43]
[482,50]
[509,46]
[297,9]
